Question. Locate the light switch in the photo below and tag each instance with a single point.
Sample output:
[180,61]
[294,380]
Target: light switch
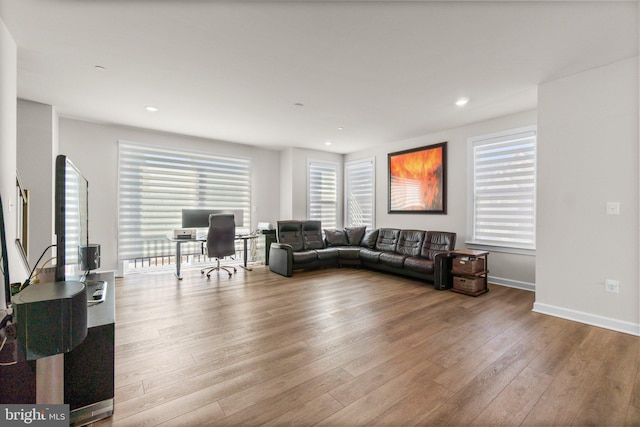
[613,208]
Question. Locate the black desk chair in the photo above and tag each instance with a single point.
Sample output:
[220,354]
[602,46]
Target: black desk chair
[220,241]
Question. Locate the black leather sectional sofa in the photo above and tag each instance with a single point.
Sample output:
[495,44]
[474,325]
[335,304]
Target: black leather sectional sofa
[415,253]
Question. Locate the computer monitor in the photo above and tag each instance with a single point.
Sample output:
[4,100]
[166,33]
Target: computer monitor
[199,218]
[4,260]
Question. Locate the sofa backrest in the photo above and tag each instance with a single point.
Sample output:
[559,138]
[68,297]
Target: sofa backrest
[290,232]
[312,234]
[387,239]
[436,242]
[410,242]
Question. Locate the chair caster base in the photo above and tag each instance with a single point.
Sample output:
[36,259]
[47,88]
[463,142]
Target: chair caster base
[218,269]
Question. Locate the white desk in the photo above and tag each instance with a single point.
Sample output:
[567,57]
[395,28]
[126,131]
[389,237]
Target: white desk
[245,238]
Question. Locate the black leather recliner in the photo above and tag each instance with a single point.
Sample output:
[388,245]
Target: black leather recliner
[300,245]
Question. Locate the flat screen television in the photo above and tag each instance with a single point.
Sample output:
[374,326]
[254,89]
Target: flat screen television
[71,218]
[4,264]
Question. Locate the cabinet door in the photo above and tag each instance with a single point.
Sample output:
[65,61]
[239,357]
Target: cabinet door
[89,369]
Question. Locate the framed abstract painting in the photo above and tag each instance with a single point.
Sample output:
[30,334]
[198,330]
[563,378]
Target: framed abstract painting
[418,180]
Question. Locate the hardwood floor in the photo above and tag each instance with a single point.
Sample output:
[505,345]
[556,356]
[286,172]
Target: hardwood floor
[353,347]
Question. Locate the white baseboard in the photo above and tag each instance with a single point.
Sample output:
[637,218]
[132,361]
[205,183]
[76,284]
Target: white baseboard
[512,283]
[587,318]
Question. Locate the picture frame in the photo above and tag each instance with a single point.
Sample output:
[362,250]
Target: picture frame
[418,180]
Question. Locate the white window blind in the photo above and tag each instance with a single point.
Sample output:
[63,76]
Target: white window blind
[360,193]
[322,195]
[156,183]
[504,189]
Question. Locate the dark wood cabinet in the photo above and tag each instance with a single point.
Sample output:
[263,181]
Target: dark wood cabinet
[88,368]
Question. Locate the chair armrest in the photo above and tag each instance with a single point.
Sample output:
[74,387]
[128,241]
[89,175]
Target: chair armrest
[442,270]
[281,259]
[442,254]
[284,246]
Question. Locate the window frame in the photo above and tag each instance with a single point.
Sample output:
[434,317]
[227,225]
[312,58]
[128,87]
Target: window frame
[154,244]
[491,139]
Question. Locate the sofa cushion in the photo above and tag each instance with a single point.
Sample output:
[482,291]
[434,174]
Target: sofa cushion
[290,233]
[387,239]
[304,257]
[436,242]
[369,239]
[312,235]
[348,253]
[419,264]
[327,253]
[354,235]
[370,255]
[392,259]
[410,242]
[336,238]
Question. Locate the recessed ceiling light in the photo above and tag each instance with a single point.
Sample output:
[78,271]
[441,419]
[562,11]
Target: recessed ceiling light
[99,68]
[298,104]
[340,128]
[328,143]
[151,108]
[461,102]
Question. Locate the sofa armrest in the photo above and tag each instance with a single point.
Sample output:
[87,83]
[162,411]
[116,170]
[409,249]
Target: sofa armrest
[281,259]
[442,270]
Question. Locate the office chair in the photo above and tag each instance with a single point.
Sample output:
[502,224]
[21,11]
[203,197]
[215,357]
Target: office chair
[220,241]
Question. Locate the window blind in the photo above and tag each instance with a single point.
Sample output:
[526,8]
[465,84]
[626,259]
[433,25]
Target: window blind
[156,183]
[322,194]
[504,189]
[360,193]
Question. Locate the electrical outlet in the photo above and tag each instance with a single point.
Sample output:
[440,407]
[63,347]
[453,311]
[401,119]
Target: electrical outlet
[612,285]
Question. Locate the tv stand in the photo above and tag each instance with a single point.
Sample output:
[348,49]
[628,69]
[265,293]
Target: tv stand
[89,368]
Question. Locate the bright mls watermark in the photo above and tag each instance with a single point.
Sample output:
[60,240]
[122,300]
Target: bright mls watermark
[34,415]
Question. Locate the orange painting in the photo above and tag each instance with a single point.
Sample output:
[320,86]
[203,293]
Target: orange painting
[417,180]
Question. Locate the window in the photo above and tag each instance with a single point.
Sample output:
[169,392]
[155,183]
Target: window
[503,189]
[360,193]
[322,194]
[155,184]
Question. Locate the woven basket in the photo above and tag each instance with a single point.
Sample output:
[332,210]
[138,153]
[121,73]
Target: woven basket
[463,265]
[468,284]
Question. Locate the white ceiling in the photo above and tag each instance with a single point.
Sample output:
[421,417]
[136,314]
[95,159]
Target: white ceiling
[234,70]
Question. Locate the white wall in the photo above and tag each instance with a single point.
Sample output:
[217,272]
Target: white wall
[8,95]
[93,148]
[588,156]
[286,184]
[37,135]
[510,269]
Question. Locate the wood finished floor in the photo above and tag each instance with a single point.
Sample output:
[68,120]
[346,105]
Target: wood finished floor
[353,347]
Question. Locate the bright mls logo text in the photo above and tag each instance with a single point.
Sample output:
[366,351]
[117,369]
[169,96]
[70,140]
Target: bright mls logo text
[36,413]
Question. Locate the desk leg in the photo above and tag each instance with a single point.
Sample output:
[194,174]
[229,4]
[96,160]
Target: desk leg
[244,262]
[178,260]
